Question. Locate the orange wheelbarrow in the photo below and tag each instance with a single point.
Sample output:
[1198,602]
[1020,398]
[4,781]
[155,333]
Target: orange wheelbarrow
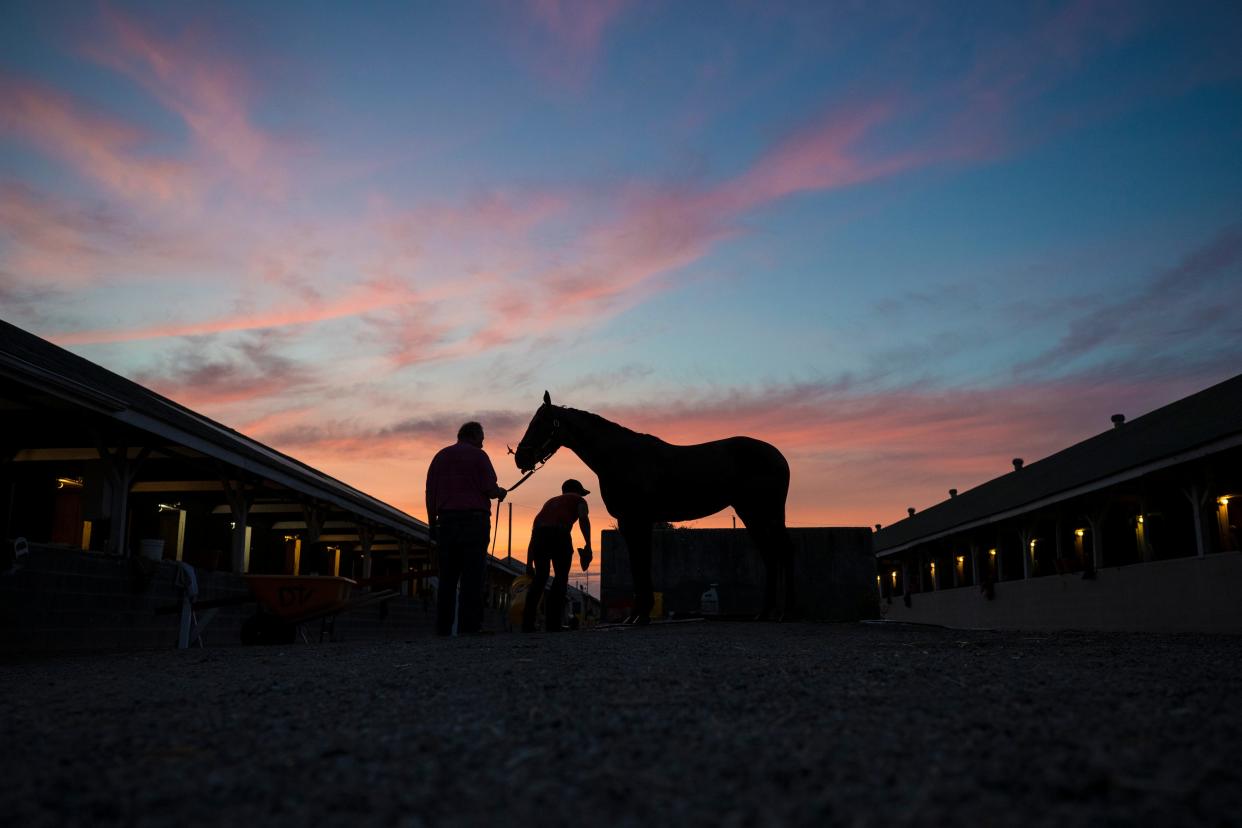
[287,602]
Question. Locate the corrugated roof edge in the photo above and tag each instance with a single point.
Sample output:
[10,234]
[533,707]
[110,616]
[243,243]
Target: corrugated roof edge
[1211,420]
[169,412]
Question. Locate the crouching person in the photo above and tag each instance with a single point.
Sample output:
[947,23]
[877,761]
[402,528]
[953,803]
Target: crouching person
[551,546]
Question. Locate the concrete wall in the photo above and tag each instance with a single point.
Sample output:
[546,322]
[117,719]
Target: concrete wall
[834,569]
[1180,595]
[63,600]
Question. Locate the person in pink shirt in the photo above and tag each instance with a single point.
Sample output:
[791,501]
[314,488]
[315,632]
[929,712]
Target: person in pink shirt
[461,484]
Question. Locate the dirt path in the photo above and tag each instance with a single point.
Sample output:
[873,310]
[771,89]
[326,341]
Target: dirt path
[684,724]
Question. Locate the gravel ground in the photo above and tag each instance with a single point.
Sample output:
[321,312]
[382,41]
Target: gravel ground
[676,724]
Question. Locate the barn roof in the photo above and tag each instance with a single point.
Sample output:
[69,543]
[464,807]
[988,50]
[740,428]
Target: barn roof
[1192,427]
[51,372]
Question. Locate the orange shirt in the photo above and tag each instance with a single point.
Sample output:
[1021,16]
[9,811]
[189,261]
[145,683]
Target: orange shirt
[561,510]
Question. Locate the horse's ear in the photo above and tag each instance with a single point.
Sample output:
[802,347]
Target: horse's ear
[547,398]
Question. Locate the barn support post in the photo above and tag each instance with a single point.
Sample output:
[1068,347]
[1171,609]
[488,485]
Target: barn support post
[1058,529]
[313,514]
[120,471]
[1024,540]
[240,496]
[366,537]
[1096,521]
[404,545]
[1198,496]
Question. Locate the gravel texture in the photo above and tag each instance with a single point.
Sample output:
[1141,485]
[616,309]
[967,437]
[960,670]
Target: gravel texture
[679,724]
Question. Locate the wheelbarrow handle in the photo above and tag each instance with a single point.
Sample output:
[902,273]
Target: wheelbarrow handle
[398,578]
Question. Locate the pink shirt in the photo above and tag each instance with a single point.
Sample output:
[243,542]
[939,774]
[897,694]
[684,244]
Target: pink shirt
[459,478]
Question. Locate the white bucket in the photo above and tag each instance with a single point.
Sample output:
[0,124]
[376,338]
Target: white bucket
[152,548]
[709,602]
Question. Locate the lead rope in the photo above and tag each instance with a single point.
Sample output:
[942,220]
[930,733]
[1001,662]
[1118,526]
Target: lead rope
[525,477]
[556,425]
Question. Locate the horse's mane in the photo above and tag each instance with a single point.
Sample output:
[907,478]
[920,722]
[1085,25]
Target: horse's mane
[604,422]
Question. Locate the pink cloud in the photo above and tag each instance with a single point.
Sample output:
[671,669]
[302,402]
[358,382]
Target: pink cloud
[208,92]
[56,241]
[1016,69]
[619,250]
[578,26]
[620,260]
[253,370]
[568,37]
[101,147]
[360,300]
[826,155]
[275,422]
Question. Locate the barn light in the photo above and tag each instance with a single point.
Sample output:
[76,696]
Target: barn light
[992,552]
[68,482]
[164,507]
[1078,533]
[894,578]
[1140,519]
[1032,546]
[961,559]
[1224,501]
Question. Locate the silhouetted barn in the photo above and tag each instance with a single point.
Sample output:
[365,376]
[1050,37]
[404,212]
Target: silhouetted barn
[834,568]
[1133,529]
[110,486]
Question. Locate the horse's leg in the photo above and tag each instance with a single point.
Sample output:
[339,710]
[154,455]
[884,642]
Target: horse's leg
[761,535]
[784,547]
[637,534]
[776,550]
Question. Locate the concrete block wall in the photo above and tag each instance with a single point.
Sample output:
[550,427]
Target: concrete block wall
[69,600]
[66,600]
[1192,594]
[834,569]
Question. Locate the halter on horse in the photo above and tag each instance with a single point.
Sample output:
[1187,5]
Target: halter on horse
[643,479]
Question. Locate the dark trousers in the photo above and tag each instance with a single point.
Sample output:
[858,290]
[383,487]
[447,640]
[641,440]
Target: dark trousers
[462,545]
[549,546]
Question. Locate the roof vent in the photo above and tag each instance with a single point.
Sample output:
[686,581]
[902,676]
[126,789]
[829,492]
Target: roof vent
[877,527]
[1118,419]
[952,492]
[910,511]
[1017,464]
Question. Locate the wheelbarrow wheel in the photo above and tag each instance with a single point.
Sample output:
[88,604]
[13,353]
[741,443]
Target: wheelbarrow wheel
[265,628]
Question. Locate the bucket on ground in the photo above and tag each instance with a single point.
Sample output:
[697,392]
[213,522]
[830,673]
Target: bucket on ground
[517,599]
[709,602]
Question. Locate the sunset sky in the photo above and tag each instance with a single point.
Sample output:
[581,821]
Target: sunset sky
[904,242]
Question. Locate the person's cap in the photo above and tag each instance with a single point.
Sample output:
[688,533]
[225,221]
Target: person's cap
[572,486]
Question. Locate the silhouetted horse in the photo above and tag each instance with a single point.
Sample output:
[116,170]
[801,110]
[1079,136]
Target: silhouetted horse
[643,479]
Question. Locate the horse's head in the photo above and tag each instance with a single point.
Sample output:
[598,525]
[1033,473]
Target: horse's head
[542,437]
